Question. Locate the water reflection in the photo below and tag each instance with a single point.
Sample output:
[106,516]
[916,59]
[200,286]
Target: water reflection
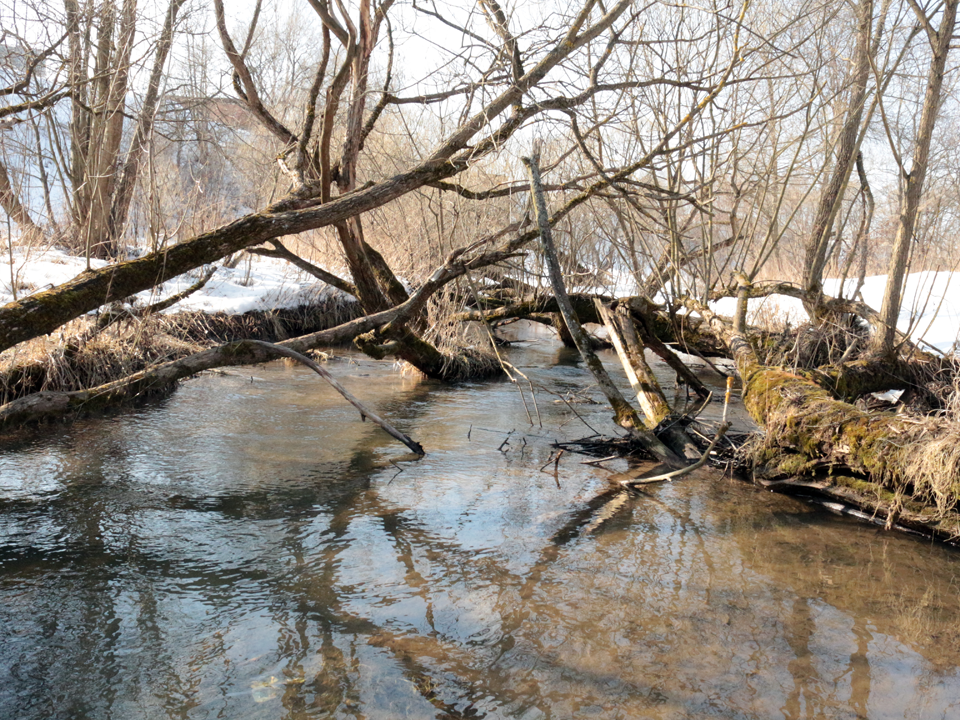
[247,550]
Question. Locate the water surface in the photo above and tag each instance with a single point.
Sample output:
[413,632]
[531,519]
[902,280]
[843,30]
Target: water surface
[250,549]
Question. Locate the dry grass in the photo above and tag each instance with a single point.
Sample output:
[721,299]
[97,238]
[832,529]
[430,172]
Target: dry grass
[924,461]
[73,359]
[811,346]
[80,357]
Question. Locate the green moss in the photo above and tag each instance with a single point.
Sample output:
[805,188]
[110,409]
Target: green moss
[792,465]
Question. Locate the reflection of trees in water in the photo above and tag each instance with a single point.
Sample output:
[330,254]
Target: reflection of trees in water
[871,580]
[686,578]
[640,600]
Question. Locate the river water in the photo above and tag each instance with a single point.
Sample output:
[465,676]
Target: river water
[250,549]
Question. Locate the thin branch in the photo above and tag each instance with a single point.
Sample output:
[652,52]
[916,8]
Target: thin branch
[281,252]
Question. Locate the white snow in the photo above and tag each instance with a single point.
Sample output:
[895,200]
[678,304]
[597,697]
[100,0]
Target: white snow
[38,271]
[930,312]
[257,283]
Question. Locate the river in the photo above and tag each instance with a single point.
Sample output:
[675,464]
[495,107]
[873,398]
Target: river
[249,548]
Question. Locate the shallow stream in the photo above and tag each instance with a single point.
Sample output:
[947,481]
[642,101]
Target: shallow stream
[250,549]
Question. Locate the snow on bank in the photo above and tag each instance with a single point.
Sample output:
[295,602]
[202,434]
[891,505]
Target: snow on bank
[931,305]
[931,299]
[257,283]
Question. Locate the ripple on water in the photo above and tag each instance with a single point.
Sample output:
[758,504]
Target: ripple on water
[249,550]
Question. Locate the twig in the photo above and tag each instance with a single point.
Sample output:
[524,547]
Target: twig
[364,411]
[726,399]
[600,460]
[721,431]
[550,459]
[555,458]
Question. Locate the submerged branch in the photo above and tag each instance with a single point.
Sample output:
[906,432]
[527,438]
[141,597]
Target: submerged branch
[365,412]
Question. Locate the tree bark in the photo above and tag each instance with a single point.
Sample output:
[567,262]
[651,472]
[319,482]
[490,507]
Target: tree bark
[624,415]
[123,194]
[913,190]
[625,341]
[849,145]
[11,205]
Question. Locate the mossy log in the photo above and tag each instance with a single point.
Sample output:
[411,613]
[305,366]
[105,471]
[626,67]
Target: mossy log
[880,456]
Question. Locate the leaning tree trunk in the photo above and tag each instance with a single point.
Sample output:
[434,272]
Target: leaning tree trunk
[624,414]
[650,397]
[849,145]
[913,191]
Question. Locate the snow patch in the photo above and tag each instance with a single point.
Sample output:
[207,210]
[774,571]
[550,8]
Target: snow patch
[930,314]
[931,299]
[257,283]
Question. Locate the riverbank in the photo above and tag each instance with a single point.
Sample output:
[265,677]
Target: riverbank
[257,299]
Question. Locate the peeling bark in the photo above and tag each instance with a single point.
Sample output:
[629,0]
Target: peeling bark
[650,396]
[624,415]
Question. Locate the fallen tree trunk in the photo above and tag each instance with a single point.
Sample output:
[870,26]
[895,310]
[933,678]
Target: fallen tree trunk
[900,460]
[159,379]
[649,393]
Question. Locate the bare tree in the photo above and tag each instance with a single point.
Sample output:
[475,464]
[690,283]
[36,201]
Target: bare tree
[913,180]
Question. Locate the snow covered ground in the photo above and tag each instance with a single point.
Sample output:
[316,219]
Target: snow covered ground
[931,305]
[257,283]
[931,302]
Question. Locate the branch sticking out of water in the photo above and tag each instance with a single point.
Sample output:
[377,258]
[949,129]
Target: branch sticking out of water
[721,431]
[364,411]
